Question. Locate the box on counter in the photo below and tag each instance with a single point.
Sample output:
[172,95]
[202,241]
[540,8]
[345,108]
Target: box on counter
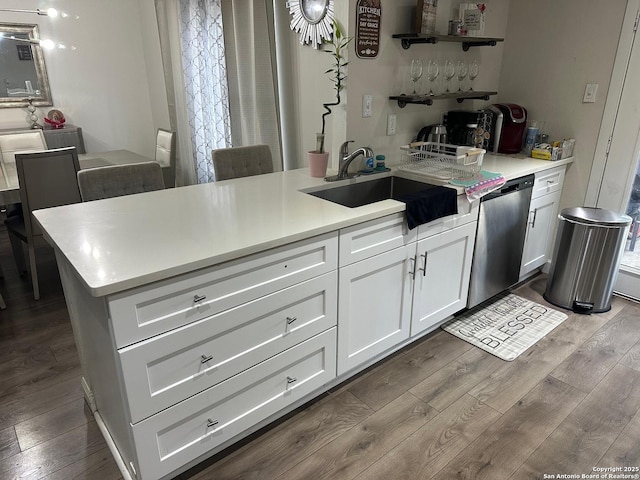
[545,151]
[556,151]
[567,147]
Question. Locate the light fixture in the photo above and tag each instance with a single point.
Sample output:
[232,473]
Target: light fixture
[50,12]
[48,44]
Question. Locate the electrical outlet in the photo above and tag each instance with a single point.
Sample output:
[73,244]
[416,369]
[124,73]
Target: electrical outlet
[590,93]
[391,124]
[367,105]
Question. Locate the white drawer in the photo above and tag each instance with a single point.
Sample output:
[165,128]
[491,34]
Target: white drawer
[373,237]
[168,368]
[151,310]
[186,431]
[548,181]
[467,213]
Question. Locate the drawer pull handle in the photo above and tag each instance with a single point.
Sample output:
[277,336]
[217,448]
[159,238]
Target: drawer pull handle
[211,423]
[291,380]
[205,358]
[290,320]
[535,214]
[424,265]
[199,298]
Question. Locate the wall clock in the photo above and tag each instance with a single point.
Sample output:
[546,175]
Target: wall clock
[312,20]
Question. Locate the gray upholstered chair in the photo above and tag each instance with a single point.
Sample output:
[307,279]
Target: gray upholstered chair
[166,156]
[119,180]
[47,179]
[238,162]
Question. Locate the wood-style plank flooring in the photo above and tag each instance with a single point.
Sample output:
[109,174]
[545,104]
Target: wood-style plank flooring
[438,409]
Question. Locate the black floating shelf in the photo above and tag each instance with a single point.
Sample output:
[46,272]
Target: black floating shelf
[403,100]
[409,39]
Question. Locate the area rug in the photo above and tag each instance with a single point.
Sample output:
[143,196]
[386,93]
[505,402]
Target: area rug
[506,327]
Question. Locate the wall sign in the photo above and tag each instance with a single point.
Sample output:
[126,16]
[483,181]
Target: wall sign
[368,18]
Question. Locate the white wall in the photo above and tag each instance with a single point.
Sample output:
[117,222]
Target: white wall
[388,74]
[552,50]
[109,83]
[112,84]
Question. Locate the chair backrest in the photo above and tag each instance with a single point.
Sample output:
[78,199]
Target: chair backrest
[238,162]
[119,180]
[47,179]
[24,141]
[166,155]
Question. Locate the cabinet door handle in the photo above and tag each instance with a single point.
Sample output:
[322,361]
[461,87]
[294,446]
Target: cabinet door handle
[199,298]
[535,214]
[291,380]
[290,320]
[412,272]
[211,423]
[205,358]
[424,265]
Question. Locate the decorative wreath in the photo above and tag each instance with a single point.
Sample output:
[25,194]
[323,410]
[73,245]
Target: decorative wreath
[55,118]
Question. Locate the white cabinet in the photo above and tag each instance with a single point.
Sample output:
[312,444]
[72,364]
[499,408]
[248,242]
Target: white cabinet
[184,432]
[542,223]
[388,297]
[154,309]
[165,369]
[179,367]
[374,306]
[442,276]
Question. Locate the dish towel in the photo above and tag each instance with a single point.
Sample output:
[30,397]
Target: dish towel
[482,184]
[427,205]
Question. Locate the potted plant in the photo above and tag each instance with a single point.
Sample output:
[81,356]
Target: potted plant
[337,45]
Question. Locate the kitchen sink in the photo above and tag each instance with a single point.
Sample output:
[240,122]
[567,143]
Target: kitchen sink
[370,191]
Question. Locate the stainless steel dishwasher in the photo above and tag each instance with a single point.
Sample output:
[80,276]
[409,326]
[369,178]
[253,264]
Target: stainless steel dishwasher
[502,226]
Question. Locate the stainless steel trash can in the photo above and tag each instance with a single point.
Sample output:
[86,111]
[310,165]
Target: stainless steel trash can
[587,253]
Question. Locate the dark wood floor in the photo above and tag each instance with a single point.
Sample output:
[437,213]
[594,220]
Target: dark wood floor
[440,409]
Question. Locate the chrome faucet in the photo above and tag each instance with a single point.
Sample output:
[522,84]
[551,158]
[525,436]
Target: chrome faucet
[346,158]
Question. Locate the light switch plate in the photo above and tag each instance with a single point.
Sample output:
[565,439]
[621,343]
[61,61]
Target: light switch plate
[391,124]
[590,93]
[367,105]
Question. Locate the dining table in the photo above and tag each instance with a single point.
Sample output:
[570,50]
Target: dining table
[10,188]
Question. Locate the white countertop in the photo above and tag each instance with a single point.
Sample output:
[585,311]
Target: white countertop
[124,242]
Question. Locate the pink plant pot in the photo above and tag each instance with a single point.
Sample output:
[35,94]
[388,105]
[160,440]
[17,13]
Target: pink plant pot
[318,163]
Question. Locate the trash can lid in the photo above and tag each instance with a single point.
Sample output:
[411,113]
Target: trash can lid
[596,216]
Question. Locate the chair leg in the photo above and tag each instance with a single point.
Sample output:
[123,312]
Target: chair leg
[635,226]
[34,272]
[18,254]
[2,304]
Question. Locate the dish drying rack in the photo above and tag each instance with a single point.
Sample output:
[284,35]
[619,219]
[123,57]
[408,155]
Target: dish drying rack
[441,160]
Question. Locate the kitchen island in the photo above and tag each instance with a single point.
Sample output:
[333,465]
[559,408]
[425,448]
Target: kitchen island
[202,313]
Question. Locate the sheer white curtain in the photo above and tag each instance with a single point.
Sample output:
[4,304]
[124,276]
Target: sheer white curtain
[221,80]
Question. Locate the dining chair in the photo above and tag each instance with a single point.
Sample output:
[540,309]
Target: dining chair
[166,156]
[118,180]
[24,141]
[47,179]
[238,162]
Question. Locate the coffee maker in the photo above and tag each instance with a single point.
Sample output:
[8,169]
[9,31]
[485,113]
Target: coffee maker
[459,123]
[511,123]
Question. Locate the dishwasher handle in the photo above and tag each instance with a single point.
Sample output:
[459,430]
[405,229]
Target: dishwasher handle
[512,186]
